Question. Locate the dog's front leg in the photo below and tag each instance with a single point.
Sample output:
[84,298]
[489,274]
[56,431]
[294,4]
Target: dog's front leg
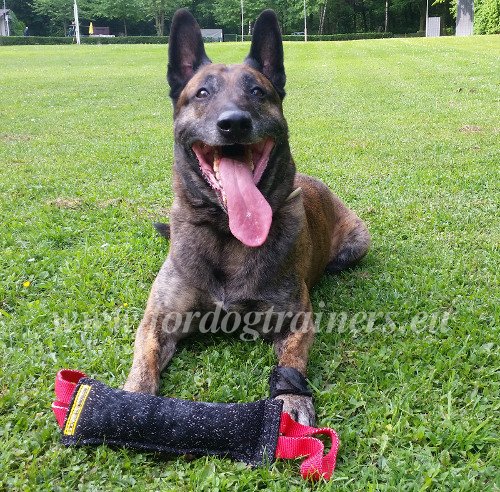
[152,352]
[292,351]
[162,326]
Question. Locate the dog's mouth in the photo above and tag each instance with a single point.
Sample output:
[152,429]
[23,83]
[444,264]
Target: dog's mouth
[234,171]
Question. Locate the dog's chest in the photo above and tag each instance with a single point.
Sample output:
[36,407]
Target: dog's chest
[238,278]
[239,283]
[235,278]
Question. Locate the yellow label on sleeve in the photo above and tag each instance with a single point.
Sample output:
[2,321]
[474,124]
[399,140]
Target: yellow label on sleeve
[76,409]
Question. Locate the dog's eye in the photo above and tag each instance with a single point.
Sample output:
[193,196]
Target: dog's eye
[202,93]
[257,91]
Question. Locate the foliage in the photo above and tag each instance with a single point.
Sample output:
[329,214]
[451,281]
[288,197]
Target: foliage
[16,26]
[410,8]
[404,130]
[340,16]
[159,10]
[31,40]
[486,14]
[36,22]
[487,17]
[336,37]
[228,13]
[127,40]
[124,10]
[60,12]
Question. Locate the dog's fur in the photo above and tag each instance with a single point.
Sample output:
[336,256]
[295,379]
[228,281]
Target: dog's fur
[311,229]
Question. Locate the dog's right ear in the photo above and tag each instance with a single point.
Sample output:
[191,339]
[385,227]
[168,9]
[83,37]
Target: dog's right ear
[186,52]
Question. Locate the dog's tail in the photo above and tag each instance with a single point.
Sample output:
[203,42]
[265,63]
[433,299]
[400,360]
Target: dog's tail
[162,229]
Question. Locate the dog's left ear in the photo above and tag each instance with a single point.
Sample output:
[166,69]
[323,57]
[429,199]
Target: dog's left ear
[186,52]
[266,51]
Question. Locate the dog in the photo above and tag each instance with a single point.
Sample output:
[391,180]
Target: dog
[248,233]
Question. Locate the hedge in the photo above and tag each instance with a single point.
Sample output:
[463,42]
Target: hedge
[16,40]
[22,40]
[335,37]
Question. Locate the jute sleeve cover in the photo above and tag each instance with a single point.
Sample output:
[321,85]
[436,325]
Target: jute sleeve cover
[246,432]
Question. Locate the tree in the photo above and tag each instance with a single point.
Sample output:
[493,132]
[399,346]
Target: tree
[25,14]
[401,8]
[60,12]
[116,9]
[227,13]
[16,26]
[159,10]
[487,17]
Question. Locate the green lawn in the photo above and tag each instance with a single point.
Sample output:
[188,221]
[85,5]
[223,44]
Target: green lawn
[406,131]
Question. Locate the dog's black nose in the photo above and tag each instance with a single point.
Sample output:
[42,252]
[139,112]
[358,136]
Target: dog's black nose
[234,123]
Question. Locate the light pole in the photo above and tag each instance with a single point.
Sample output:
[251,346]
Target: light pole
[427,19]
[7,27]
[77,23]
[242,20]
[305,21]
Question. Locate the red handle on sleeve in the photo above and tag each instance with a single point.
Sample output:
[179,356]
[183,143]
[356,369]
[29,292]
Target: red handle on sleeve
[296,440]
[66,381]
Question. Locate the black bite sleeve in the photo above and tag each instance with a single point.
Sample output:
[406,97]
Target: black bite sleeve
[246,432]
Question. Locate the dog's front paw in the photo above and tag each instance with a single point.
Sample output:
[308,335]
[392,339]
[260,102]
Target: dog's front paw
[300,408]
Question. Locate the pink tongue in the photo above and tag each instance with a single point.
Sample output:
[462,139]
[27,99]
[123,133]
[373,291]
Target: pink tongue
[250,215]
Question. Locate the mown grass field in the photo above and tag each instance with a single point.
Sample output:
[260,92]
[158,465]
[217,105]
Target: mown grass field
[405,131]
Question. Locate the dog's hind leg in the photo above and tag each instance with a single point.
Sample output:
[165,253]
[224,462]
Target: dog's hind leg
[162,229]
[350,238]
[339,237]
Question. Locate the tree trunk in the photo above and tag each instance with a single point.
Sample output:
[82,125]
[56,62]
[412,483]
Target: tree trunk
[423,13]
[386,15]
[160,23]
[322,13]
[363,16]
[125,27]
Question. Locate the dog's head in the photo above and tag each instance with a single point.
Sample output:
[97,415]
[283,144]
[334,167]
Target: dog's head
[231,138]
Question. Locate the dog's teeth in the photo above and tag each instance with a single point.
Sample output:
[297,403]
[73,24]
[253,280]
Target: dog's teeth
[216,160]
[249,157]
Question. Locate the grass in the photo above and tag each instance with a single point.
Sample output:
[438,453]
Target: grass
[405,131]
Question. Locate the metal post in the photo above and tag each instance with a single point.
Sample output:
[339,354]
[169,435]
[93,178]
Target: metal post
[427,19]
[241,20]
[7,27]
[77,23]
[305,21]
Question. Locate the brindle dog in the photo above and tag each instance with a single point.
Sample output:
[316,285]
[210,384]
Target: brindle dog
[248,234]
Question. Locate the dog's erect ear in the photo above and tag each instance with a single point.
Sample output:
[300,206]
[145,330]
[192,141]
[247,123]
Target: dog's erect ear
[266,52]
[186,52]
